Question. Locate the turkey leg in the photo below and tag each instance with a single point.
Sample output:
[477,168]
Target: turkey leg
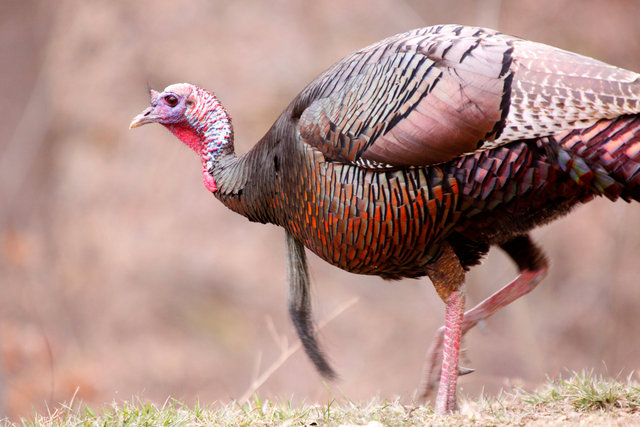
[533,267]
[447,276]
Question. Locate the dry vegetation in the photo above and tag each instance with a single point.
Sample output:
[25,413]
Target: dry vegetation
[580,400]
[120,276]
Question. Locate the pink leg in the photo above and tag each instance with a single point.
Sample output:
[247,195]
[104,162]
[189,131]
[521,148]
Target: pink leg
[521,285]
[446,400]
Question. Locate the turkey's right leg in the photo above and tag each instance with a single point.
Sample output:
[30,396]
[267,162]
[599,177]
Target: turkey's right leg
[447,276]
[533,267]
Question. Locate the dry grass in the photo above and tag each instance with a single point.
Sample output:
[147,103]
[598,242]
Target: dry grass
[582,399]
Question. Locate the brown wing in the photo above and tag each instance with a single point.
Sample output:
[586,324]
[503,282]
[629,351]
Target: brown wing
[435,93]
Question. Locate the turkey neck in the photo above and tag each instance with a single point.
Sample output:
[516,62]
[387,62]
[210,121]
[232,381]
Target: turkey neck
[242,183]
[245,184]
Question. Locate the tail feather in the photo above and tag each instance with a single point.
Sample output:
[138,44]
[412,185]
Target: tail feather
[515,187]
[607,154]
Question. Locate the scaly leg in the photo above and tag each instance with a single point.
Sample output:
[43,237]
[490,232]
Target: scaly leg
[447,276]
[533,267]
[446,401]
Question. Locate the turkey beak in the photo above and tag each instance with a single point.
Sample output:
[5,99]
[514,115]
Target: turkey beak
[143,118]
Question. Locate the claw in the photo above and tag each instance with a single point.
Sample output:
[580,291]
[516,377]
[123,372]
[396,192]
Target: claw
[464,371]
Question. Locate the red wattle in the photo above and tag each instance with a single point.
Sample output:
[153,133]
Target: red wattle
[193,141]
[187,136]
[209,183]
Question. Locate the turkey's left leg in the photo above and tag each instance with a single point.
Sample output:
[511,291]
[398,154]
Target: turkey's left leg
[533,267]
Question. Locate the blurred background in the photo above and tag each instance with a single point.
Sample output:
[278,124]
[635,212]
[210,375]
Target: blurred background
[121,276]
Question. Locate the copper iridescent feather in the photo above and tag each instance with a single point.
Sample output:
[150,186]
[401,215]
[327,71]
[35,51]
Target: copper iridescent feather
[415,155]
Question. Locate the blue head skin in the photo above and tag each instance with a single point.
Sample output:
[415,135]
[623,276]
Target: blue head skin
[167,108]
[194,116]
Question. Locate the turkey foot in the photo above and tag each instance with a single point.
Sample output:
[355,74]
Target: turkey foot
[521,285]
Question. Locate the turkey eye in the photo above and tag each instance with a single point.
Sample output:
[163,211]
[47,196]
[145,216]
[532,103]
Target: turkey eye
[171,100]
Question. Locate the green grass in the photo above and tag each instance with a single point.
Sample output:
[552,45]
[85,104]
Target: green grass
[582,399]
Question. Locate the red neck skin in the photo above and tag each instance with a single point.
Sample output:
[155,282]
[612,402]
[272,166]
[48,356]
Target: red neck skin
[191,139]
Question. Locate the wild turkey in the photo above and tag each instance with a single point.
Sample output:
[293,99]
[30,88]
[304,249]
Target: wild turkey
[413,156]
